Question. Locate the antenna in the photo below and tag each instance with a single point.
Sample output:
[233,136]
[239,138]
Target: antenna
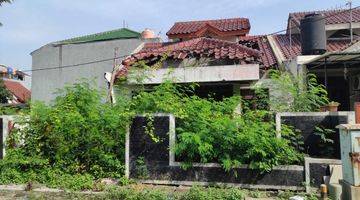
[123,23]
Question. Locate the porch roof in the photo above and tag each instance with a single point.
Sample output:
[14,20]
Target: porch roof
[335,58]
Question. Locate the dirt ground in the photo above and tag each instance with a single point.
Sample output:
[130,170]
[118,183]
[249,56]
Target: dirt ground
[17,192]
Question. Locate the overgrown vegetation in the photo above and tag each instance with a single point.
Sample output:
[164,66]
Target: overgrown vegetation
[210,131]
[293,93]
[79,139]
[5,95]
[326,143]
[69,144]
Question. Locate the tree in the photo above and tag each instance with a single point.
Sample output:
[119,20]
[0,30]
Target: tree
[5,1]
[5,95]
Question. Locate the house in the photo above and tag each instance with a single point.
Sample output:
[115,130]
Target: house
[231,59]
[227,67]
[20,94]
[90,56]
[17,83]
[337,67]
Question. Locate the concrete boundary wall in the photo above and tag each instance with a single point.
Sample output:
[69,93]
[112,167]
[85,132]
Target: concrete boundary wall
[350,115]
[308,161]
[170,172]
[243,186]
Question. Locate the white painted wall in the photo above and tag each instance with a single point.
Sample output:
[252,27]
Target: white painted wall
[222,73]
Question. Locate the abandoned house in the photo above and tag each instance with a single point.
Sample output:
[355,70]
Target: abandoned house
[325,43]
[227,67]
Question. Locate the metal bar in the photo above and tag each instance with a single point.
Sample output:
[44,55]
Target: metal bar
[351,27]
[325,73]
[290,33]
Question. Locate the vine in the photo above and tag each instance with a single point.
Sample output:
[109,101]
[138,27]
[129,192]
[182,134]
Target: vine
[150,129]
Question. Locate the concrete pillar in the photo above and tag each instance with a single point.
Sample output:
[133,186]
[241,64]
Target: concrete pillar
[236,92]
[5,132]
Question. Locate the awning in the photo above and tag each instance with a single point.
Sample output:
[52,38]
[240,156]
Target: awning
[334,58]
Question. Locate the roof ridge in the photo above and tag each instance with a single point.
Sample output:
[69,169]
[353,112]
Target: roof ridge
[320,11]
[212,20]
[97,34]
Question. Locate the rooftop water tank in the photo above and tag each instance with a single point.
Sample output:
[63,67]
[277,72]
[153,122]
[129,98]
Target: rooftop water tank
[313,34]
[148,34]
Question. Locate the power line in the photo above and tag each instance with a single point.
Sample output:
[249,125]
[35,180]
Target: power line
[124,56]
[75,65]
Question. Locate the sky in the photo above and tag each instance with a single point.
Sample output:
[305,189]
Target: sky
[30,24]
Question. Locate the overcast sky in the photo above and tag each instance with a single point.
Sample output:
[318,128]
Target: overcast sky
[29,24]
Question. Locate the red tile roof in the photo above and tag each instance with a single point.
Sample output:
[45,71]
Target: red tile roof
[331,16]
[154,45]
[18,90]
[202,47]
[220,25]
[293,50]
[261,43]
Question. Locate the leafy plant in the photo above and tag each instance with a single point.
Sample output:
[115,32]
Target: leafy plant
[210,131]
[334,103]
[70,143]
[326,145]
[294,93]
[141,169]
[5,95]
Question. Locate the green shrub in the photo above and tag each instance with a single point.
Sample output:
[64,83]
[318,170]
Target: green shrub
[70,143]
[210,131]
[293,93]
[78,133]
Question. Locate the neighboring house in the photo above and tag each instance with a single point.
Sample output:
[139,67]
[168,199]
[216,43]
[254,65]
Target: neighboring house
[20,94]
[90,56]
[17,83]
[337,22]
[231,59]
[15,74]
[337,68]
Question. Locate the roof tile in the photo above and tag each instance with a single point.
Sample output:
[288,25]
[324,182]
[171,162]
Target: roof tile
[293,50]
[202,46]
[222,25]
[260,43]
[331,16]
[18,90]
